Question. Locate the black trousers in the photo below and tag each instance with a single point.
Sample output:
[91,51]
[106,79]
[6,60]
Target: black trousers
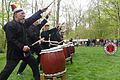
[24,64]
[34,49]
[12,63]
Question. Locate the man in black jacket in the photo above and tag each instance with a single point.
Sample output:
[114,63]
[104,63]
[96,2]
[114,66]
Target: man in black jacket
[46,35]
[57,35]
[17,43]
[33,36]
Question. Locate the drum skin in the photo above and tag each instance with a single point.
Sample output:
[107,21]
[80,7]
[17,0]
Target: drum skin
[110,48]
[53,62]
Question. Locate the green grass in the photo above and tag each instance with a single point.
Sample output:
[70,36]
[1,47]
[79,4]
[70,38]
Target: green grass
[89,63]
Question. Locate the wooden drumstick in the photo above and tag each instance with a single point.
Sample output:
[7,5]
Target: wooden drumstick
[52,41]
[60,42]
[53,44]
[42,39]
[50,4]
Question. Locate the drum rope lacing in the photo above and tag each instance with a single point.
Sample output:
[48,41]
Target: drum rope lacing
[51,51]
[56,74]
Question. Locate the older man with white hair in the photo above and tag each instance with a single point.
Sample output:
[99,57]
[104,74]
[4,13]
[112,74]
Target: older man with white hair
[17,43]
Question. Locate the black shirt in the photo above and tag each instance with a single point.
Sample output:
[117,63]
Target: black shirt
[16,36]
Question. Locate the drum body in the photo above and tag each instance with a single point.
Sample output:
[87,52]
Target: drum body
[68,50]
[72,49]
[52,60]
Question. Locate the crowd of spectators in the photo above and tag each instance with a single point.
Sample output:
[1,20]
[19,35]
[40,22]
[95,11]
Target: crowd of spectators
[95,42]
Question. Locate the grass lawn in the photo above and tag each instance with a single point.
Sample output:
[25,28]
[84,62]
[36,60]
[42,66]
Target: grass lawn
[89,63]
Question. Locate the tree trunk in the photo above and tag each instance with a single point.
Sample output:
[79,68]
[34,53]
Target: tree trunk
[2,13]
[58,9]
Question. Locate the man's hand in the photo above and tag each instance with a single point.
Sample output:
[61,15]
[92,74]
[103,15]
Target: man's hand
[47,16]
[26,49]
[59,26]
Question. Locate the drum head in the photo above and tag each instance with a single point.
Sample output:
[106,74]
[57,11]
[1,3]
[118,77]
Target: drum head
[65,45]
[110,48]
[54,49]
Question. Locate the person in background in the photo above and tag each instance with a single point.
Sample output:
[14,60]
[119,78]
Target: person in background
[57,35]
[46,35]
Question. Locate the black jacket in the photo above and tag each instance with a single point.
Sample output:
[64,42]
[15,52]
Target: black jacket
[34,32]
[17,37]
[56,36]
[33,36]
[46,36]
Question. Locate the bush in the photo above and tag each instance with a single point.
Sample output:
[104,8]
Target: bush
[1,51]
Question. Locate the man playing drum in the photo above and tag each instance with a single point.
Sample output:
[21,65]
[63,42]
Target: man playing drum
[33,36]
[17,44]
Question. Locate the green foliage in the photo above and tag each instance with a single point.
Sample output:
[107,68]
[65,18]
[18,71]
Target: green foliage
[103,19]
[2,40]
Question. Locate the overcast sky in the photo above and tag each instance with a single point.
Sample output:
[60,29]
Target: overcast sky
[73,3]
[76,3]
